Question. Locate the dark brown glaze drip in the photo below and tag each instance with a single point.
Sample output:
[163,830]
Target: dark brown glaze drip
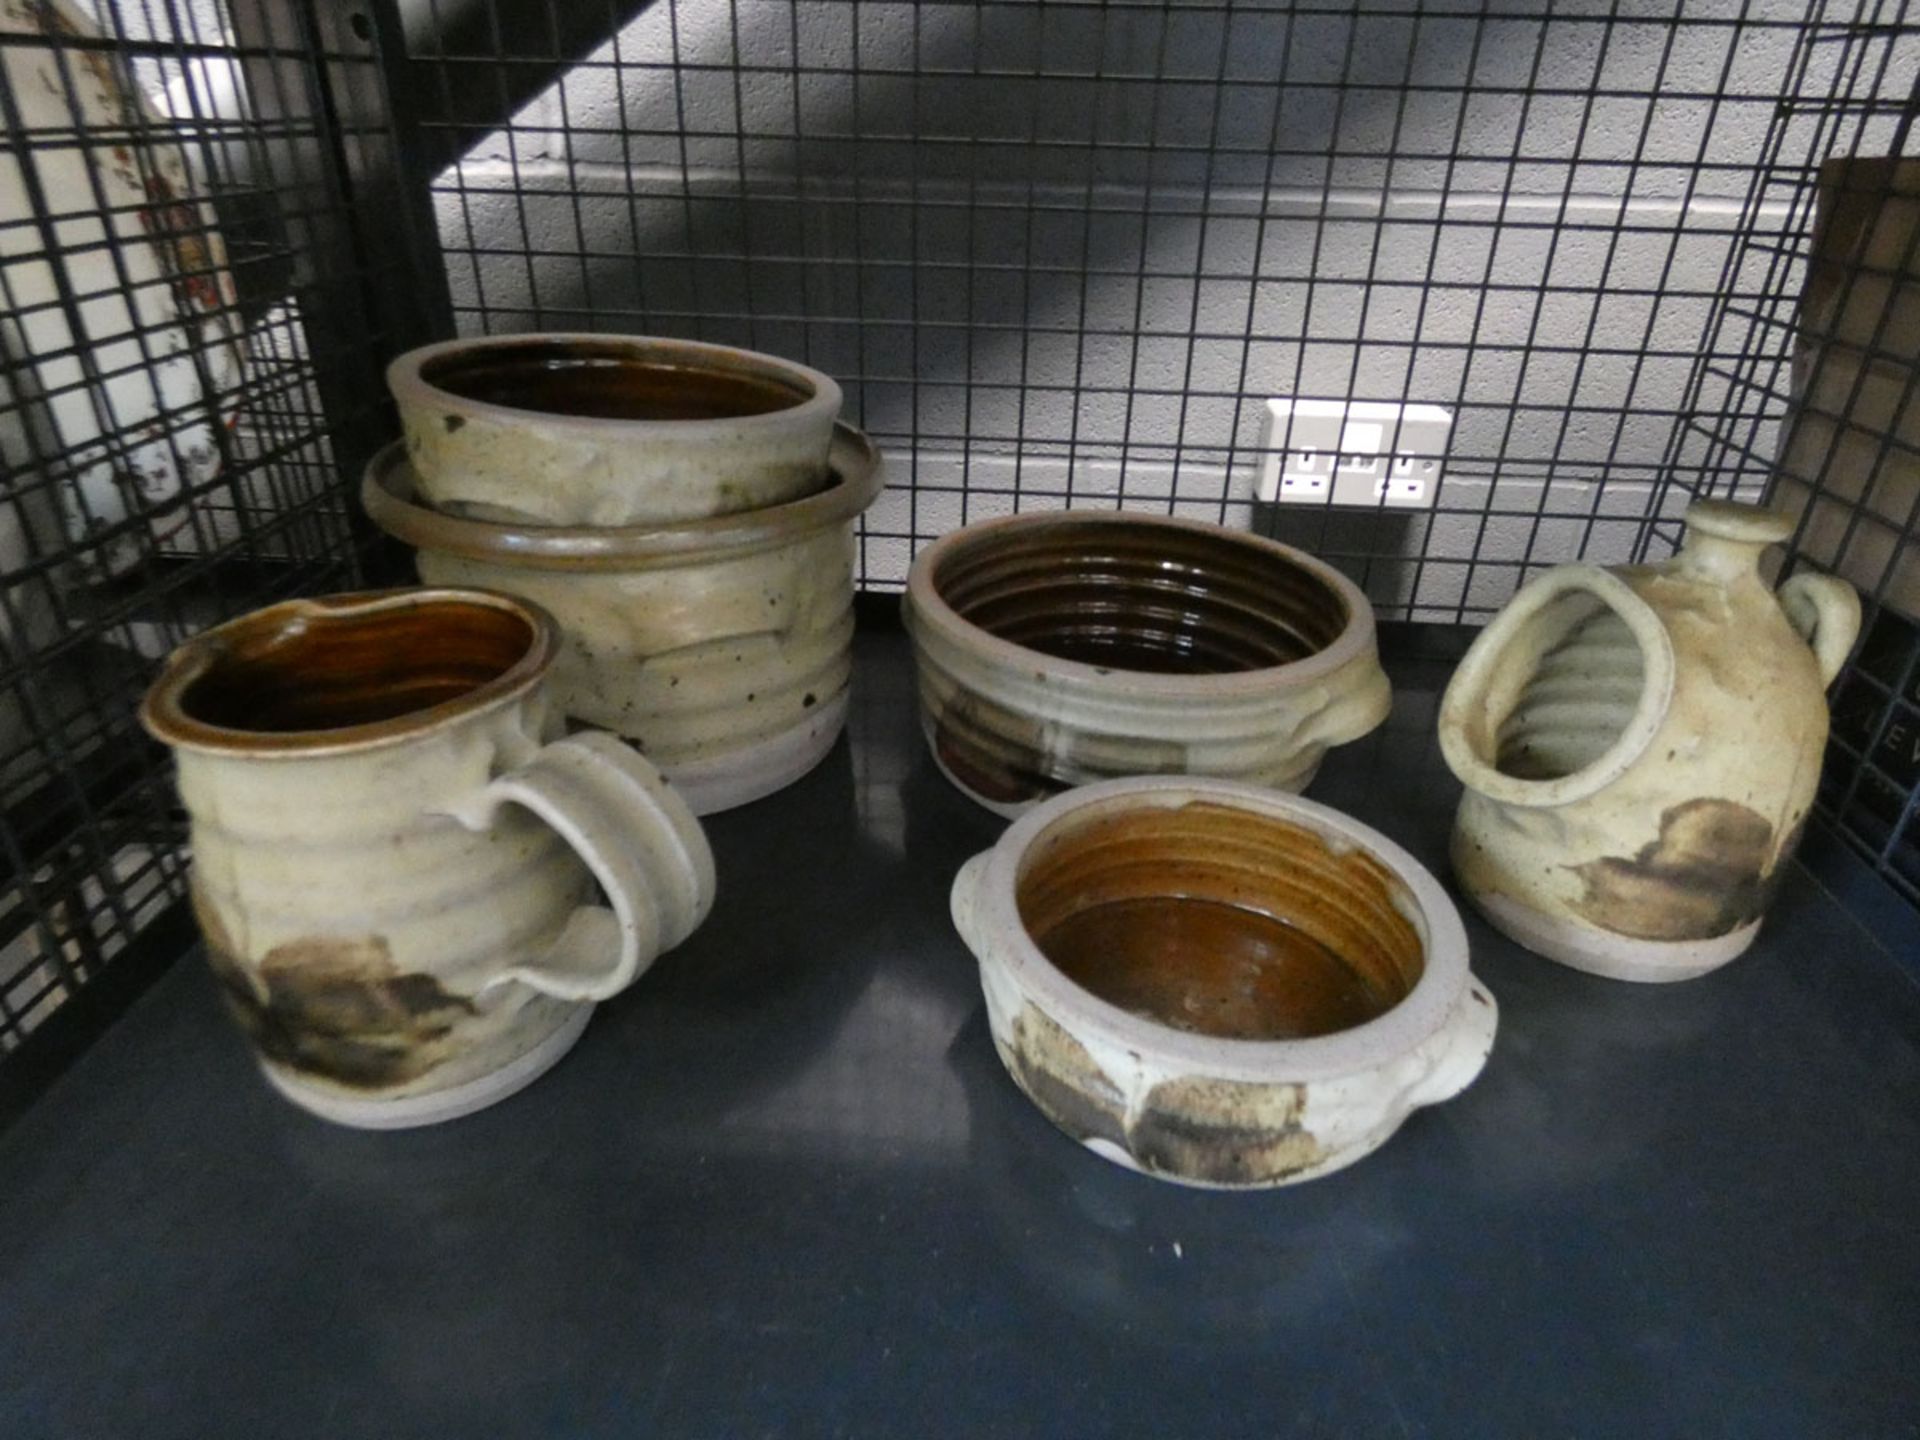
[1219,921]
[1157,599]
[1005,757]
[1220,1131]
[1712,870]
[610,382]
[1003,772]
[330,672]
[337,1009]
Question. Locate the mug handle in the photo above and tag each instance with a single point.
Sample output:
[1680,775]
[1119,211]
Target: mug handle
[637,837]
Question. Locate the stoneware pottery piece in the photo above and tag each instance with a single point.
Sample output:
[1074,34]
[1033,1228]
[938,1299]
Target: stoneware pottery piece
[610,429]
[721,647]
[128,395]
[395,854]
[1218,983]
[1640,747]
[1054,649]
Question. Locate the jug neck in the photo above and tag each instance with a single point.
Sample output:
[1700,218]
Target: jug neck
[1724,540]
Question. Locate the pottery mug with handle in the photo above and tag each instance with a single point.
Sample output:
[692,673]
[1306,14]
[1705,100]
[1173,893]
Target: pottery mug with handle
[395,853]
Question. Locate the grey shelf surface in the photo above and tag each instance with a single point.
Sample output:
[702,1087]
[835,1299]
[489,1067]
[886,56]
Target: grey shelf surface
[783,1187]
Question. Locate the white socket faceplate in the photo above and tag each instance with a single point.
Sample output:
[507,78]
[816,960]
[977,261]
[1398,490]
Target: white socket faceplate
[1353,452]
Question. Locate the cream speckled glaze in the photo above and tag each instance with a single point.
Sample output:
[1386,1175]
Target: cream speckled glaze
[721,647]
[538,466]
[401,908]
[1277,649]
[1640,748]
[1195,1107]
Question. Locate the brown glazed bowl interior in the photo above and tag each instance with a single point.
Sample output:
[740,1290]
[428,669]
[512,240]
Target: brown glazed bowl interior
[1220,921]
[616,379]
[1161,599]
[346,671]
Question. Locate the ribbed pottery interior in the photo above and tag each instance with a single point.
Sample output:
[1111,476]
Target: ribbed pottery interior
[615,380]
[1577,697]
[301,673]
[1143,597]
[1219,920]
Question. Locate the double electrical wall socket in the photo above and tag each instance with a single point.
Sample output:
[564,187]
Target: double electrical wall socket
[1353,452]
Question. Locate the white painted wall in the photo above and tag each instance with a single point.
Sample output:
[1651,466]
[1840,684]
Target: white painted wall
[879,189]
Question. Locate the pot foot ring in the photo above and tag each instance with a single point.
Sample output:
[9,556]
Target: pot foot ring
[1601,952]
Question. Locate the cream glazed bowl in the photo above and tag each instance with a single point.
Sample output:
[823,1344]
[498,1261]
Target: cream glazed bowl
[1058,648]
[721,648]
[590,429]
[1219,984]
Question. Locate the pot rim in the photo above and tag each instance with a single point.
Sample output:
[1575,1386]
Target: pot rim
[410,387]
[925,604]
[389,484]
[1423,1013]
[165,717]
[1466,692]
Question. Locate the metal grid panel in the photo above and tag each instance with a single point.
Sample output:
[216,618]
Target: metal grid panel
[1808,387]
[1062,254]
[176,379]
[1058,254]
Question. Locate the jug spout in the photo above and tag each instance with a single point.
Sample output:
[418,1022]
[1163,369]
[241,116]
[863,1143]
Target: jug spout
[1725,539]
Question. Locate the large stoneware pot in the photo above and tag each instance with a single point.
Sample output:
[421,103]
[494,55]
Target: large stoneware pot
[722,647]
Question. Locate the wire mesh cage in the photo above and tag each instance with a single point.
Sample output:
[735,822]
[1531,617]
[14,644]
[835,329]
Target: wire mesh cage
[179,394]
[1804,394]
[1066,254]
[1057,254]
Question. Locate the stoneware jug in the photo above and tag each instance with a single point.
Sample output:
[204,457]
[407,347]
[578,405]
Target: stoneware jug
[610,429]
[395,855]
[723,647]
[1640,747]
[1217,983]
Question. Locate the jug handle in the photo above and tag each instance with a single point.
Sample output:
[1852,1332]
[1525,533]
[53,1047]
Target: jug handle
[1826,612]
